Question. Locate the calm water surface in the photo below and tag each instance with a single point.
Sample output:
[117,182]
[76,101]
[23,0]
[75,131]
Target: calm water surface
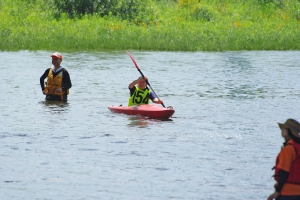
[220,144]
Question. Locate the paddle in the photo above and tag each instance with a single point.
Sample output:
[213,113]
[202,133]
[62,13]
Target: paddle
[143,75]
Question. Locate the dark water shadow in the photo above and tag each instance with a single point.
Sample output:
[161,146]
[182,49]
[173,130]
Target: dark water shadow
[138,121]
[144,122]
[55,107]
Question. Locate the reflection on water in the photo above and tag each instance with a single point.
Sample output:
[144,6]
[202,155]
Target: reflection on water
[227,108]
[55,107]
[144,122]
[138,121]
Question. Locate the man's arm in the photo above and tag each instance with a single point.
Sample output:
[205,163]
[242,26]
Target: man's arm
[66,82]
[154,98]
[133,83]
[42,78]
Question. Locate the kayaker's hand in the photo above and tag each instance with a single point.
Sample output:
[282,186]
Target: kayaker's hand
[273,196]
[158,101]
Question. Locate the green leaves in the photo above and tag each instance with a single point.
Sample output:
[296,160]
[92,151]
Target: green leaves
[123,9]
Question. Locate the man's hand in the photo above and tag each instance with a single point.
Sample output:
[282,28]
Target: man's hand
[273,196]
[158,101]
[58,90]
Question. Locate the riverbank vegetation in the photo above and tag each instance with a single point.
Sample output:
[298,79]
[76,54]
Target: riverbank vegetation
[168,25]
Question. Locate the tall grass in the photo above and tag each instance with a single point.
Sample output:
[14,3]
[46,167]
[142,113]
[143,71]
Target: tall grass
[185,25]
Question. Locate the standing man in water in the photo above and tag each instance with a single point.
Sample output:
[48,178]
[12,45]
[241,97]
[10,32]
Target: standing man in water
[287,166]
[58,80]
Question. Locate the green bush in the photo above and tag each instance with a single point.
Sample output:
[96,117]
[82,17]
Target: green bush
[277,3]
[181,25]
[123,9]
[202,14]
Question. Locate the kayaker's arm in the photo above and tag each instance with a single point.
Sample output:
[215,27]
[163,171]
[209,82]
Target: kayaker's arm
[158,101]
[133,83]
[154,98]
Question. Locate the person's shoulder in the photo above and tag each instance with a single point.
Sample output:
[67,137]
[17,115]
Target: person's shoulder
[293,144]
[151,93]
[47,70]
[65,70]
[289,148]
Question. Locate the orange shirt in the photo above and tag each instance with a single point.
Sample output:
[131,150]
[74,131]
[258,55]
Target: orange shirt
[286,156]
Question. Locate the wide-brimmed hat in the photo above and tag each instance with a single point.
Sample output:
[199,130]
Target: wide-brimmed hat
[56,55]
[293,125]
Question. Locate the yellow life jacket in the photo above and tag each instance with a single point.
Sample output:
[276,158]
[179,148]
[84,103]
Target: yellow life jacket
[54,83]
[139,97]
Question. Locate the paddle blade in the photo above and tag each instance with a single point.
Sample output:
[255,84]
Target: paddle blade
[133,60]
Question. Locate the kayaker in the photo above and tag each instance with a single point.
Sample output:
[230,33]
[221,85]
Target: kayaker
[58,80]
[287,168]
[140,93]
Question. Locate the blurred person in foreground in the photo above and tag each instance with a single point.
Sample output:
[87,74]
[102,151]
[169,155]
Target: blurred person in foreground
[58,80]
[287,166]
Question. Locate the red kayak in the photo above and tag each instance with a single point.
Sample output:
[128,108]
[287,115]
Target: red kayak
[149,110]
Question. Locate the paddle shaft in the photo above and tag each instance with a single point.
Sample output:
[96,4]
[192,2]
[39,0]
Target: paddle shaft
[137,67]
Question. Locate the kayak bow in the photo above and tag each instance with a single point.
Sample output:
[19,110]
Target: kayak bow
[149,110]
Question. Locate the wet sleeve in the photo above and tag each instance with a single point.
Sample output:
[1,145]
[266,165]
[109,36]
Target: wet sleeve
[282,177]
[42,78]
[66,82]
[152,95]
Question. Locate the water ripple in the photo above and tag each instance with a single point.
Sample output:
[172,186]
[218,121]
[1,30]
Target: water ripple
[227,107]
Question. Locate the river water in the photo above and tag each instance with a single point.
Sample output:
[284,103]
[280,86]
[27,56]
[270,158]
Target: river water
[221,142]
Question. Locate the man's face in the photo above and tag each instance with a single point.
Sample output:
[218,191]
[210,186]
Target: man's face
[142,84]
[56,61]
